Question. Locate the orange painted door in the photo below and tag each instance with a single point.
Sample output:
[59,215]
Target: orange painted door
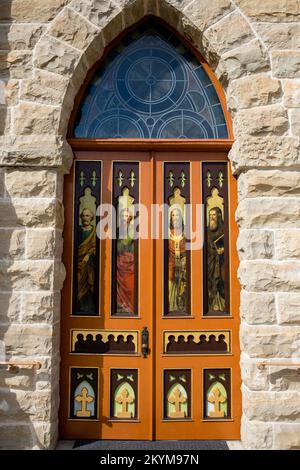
[118,383]
[197,380]
[188,384]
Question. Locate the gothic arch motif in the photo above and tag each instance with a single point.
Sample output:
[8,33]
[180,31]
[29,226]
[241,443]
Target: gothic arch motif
[79,35]
[150,84]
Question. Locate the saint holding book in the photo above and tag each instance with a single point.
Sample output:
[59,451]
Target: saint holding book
[216,270]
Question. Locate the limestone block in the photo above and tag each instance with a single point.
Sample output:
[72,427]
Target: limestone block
[99,12]
[16,436]
[258,183]
[256,434]
[268,213]
[265,120]
[287,436]
[10,307]
[60,186]
[32,118]
[19,36]
[59,276]
[291,97]
[257,307]
[37,150]
[43,244]
[46,434]
[279,36]
[253,377]
[262,151]
[5,120]
[286,64]
[12,244]
[170,12]
[205,13]
[270,276]
[295,121]
[288,305]
[21,378]
[31,212]
[135,10]
[228,33]
[270,341]
[41,307]
[255,244]
[45,88]
[113,28]
[253,91]
[2,189]
[92,54]
[246,59]
[15,64]
[271,10]
[39,183]
[37,405]
[284,378]
[46,377]
[151,7]
[179,4]
[26,275]
[28,341]
[73,29]
[30,10]
[287,244]
[55,56]
[187,28]
[9,92]
[79,74]
[271,406]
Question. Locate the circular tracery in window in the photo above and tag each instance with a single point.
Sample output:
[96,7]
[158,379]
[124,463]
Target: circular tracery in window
[151,86]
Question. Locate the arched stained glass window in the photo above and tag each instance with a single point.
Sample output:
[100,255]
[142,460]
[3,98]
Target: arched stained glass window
[151,86]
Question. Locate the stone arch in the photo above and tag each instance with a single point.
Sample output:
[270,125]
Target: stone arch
[79,33]
[75,39]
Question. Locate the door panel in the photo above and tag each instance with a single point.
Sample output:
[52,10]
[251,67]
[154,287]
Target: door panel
[124,376]
[191,372]
[201,423]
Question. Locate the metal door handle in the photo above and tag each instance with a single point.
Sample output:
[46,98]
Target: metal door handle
[145,341]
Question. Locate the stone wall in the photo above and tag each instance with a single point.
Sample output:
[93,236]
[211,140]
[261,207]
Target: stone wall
[46,49]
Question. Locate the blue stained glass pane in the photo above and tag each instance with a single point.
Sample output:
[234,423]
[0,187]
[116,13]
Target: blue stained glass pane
[171,129]
[218,113]
[151,86]
[197,101]
[202,76]
[222,131]
[191,129]
[212,95]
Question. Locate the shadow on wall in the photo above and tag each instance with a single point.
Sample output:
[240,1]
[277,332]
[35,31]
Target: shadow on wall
[16,429]
[17,405]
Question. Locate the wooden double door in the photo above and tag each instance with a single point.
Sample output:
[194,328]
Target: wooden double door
[150,323]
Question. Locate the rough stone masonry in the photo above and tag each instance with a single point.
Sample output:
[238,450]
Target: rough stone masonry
[46,50]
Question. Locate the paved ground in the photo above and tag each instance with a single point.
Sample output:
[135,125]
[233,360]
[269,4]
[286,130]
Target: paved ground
[150,445]
[84,445]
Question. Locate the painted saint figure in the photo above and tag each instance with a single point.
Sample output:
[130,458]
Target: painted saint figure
[177,263]
[86,262]
[216,270]
[125,263]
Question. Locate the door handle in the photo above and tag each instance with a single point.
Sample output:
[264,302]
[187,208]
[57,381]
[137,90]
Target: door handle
[145,341]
